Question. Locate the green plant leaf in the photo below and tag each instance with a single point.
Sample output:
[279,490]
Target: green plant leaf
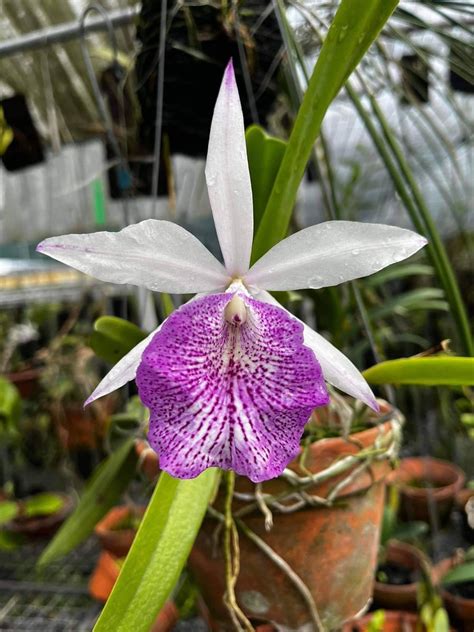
[102,492]
[43,504]
[355,26]
[114,337]
[265,154]
[441,621]
[395,272]
[410,531]
[166,304]
[459,574]
[8,511]
[158,554]
[10,404]
[377,621]
[431,371]
[10,541]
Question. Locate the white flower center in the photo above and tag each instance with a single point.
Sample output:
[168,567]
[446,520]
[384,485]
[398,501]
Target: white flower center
[235,311]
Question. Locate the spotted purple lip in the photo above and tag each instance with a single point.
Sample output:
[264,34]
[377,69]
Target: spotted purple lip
[231,395]
[231,377]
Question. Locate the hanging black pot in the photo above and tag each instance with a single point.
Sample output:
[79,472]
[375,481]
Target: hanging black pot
[461,67]
[415,79]
[200,41]
[25,149]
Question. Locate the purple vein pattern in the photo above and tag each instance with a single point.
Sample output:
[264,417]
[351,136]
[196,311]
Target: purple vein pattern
[235,396]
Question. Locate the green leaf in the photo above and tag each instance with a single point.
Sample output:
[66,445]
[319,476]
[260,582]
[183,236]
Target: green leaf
[166,304]
[415,299]
[410,531]
[10,541]
[389,520]
[459,574]
[114,337]
[43,504]
[8,511]
[441,621]
[355,26]
[265,154]
[398,272]
[10,404]
[431,371]
[377,621]
[158,553]
[102,492]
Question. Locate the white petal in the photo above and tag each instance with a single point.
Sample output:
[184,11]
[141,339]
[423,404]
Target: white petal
[122,372]
[155,254]
[337,369]
[126,368]
[331,253]
[228,178]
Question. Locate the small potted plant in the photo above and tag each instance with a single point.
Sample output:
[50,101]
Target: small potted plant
[424,483]
[455,577]
[37,516]
[400,563]
[68,371]
[23,372]
[430,616]
[117,529]
[336,523]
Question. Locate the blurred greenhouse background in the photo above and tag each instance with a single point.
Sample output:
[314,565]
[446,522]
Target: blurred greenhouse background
[105,110]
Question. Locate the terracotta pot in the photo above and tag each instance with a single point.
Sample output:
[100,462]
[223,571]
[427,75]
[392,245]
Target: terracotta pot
[115,540]
[42,526]
[393,622]
[81,427]
[147,460]
[333,550]
[26,381]
[103,579]
[446,480]
[460,609]
[104,576]
[465,505]
[398,597]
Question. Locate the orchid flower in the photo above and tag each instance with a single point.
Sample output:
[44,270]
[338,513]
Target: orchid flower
[231,377]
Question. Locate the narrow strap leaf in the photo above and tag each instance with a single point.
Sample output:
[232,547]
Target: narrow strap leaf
[158,554]
[102,493]
[435,371]
[355,26]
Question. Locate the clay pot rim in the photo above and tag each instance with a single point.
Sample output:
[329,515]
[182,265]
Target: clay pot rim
[401,476]
[462,497]
[406,548]
[28,373]
[349,446]
[368,435]
[35,523]
[364,437]
[114,515]
[439,571]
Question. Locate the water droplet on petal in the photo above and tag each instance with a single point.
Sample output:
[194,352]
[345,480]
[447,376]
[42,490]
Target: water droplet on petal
[316,282]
